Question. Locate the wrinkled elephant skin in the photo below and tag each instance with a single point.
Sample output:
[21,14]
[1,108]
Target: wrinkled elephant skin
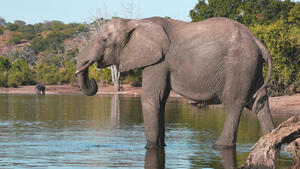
[217,58]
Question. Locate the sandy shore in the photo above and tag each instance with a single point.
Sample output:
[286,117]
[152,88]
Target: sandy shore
[282,104]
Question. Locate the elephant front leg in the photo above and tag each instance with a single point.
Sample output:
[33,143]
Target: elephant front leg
[155,92]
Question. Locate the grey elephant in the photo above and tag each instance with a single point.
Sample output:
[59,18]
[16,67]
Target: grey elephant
[217,58]
[40,89]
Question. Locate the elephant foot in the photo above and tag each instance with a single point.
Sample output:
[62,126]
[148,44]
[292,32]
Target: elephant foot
[159,145]
[224,144]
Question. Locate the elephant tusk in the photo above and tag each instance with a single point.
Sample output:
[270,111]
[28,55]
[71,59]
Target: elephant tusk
[84,67]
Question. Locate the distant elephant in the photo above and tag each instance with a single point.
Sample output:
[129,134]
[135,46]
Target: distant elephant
[215,58]
[40,89]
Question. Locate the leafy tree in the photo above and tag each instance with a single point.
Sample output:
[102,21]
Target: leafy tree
[66,75]
[48,74]
[2,21]
[12,27]
[294,14]
[1,29]
[279,38]
[15,38]
[20,23]
[134,77]
[245,11]
[28,32]
[4,67]
[52,42]
[264,11]
[20,74]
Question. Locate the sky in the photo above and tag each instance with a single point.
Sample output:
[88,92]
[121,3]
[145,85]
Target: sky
[68,11]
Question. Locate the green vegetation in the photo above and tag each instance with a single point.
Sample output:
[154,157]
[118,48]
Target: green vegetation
[45,58]
[274,22]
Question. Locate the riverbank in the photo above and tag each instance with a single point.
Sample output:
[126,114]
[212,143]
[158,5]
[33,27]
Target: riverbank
[281,104]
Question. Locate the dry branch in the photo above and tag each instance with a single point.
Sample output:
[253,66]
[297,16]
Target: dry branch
[265,153]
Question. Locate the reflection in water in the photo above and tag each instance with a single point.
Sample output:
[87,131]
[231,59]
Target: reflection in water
[155,159]
[115,111]
[228,157]
[106,131]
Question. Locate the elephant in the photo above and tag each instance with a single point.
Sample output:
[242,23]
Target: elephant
[214,59]
[40,89]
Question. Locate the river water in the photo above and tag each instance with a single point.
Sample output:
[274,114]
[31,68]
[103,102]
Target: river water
[106,131]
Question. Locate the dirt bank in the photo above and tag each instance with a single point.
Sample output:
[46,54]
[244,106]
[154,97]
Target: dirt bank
[282,104]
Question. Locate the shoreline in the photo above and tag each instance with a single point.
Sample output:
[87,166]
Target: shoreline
[278,105]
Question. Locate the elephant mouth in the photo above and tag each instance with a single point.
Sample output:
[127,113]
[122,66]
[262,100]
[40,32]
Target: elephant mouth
[86,66]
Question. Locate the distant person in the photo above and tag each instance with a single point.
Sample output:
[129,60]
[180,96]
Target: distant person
[40,89]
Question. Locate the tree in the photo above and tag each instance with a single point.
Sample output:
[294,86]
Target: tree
[294,14]
[279,38]
[4,67]
[15,38]
[20,23]
[245,11]
[2,21]
[1,29]
[20,74]
[12,27]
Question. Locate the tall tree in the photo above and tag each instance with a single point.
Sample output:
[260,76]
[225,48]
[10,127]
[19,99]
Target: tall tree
[245,11]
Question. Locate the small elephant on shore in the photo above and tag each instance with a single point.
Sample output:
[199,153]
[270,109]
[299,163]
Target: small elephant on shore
[215,59]
[40,89]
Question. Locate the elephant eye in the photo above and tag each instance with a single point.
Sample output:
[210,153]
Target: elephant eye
[104,40]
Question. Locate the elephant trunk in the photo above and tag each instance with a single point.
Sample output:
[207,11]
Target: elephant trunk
[88,87]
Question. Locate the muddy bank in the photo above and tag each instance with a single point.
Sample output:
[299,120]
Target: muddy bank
[282,104]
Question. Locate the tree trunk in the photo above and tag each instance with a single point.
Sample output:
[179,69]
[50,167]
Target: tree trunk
[265,153]
[115,77]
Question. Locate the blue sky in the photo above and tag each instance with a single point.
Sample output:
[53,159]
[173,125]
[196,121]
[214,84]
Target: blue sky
[33,11]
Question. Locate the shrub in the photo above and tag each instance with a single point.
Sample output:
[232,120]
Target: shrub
[15,38]
[282,42]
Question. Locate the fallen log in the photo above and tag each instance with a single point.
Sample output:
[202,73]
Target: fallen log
[294,149]
[265,153]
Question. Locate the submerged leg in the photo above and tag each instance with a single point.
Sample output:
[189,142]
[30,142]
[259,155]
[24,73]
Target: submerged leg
[229,132]
[155,91]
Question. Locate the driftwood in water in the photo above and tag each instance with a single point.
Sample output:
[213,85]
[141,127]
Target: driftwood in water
[265,153]
[294,149]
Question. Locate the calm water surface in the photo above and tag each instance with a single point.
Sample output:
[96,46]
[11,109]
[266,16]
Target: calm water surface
[75,131]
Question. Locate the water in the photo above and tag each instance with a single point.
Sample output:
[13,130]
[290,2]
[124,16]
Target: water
[106,131]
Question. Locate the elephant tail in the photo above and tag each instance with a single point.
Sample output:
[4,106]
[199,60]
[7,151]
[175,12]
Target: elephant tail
[267,57]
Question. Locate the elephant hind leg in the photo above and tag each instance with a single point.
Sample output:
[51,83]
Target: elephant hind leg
[234,95]
[229,132]
[260,107]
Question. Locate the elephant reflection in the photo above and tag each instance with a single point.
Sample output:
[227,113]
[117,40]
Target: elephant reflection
[228,157]
[115,111]
[155,159]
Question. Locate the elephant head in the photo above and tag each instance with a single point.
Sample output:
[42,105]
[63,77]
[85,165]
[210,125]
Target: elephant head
[126,43]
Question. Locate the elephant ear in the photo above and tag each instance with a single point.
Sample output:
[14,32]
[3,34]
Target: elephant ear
[145,44]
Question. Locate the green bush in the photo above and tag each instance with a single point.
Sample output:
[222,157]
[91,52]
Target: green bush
[4,67]
[48,74]
[1,29]
[20,74]
[134,77]
[53,42]
[102,76]
[12,27]
[67,74]
[16,38]
[283,44]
